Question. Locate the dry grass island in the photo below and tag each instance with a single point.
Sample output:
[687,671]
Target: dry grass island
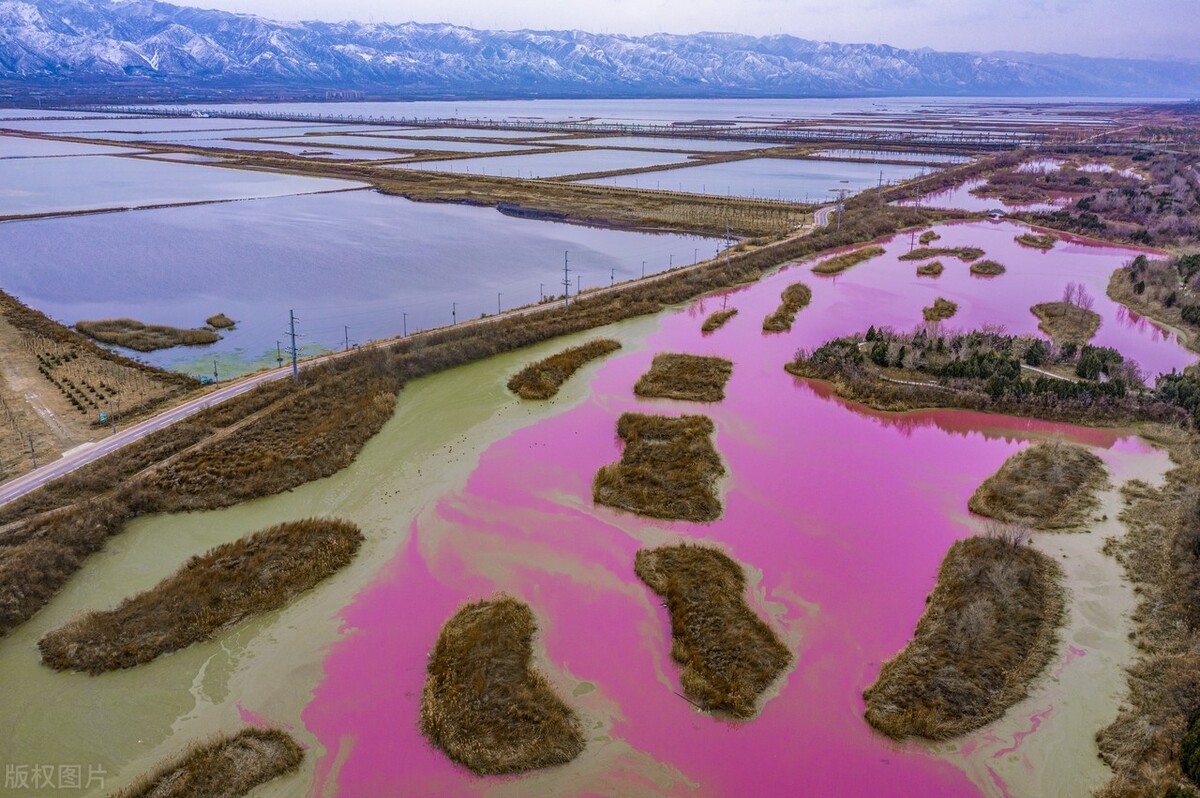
[668,470]
[484,705]
[688,377]
[1066,323]
[1043,242]
[220,322]
[729,656]
[133,334]
[228,767]
[839,263]
[987,268]
[932,269]
[793,299]
[1047,486]
[717,320]
[541,380]
[940,310]
[989,629]
[208,595]
[965,254]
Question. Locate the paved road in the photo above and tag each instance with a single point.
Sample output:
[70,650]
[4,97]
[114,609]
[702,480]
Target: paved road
[89,453]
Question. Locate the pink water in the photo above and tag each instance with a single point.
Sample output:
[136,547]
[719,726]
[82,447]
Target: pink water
[960,198]
[845,512]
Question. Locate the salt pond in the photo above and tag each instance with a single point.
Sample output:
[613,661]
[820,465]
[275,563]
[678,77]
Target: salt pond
[404,144]
[360,259]
[17,147]
[891,155]
[30,186]
[553,164]
[771,178]
[666,143]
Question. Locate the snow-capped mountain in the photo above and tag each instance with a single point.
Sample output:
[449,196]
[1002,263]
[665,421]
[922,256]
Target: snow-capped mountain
[133,44]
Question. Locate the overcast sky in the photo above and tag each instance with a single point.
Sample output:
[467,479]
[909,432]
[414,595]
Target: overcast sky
[1091,27]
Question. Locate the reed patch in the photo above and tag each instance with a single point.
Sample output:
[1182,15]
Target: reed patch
[793,299]
[484,704]
[1046,486]
[542,379]
[227,767]
[133,334]
[668,469]
[728,654]
[989,629]
[688,377]
[208,595]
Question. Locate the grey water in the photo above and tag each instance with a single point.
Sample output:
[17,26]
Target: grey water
[771,178]
[30,186]
[373,263]
[551,164]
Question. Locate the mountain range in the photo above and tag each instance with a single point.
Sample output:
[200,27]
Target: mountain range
[133,47]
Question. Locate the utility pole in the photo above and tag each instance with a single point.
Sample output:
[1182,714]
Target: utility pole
[32,453]
[541,291]
[566,280]
[643,270]
[405,322]
[727,244]
[497,303]
[293,350]
[112,415]
[453,313]
[612,277]
[279,354]
[346,329]
[215,371]
[578,285]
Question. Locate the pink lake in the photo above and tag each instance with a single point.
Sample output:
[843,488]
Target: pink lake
[842,516]
[960,198]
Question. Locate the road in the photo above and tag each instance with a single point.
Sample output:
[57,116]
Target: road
[81,456]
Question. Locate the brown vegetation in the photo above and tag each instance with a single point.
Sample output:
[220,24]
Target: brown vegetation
[933,269]
[208,595]
[1047,486]
[839,263]
[928,237]
[940,310]
[484,705]
[688,377]
[717,320]
[1161,556]
[794,298]
[220,321]
[228,767]
[1044,242]
[965,254]
[989,629]
[133,334]
[729,656]
[541,380]
[668,469]
[1066,323]
[987,268]
[1166,291]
